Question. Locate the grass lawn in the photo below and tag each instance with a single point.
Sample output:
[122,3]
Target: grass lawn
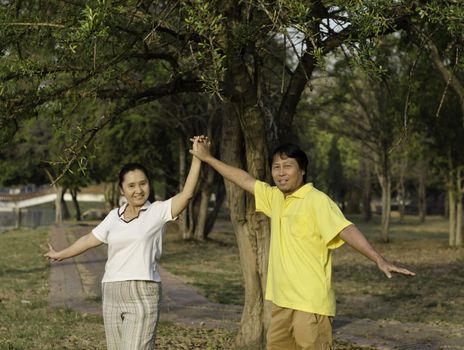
[27,322]
[434,295]
[212,267]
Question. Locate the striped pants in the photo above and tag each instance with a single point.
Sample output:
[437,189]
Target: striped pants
[130,314]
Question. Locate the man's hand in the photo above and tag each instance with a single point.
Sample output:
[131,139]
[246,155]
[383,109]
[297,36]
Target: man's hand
[358,241]
[200,150]
[200,147]
[387,268]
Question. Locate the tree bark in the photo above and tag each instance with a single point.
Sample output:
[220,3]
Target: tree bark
[458,231]
[58,209]
[18,219]
[422,192]
[401,189]
[64,205]
[211,219]
[77,207]
[452,217]
[199,233]
[401,198]
[184,224]
[385,184]
[111,195]
[59,191]
[459,191]
[366,190]
[251,229]
[455,210]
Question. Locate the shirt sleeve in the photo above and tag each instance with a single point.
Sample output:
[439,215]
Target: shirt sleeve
[163,210]
[102,230]
[263,198]
[330,221]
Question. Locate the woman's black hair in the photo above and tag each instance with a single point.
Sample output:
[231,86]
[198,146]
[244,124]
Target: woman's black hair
[131,167]
[291,151]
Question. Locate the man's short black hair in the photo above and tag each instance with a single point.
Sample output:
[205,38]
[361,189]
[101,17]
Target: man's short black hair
[291,151]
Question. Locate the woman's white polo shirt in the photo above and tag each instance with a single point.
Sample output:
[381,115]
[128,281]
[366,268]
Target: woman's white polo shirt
[134,246]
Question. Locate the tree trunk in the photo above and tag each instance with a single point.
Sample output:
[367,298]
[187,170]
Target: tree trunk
[18,215]
[59,191]
[58,209]
[458,231]
[401,199]
[183,222]
[386,207]
[251,229]
[64,206]
[455,207]
[385,184]
[111,195]
[73,192]
[202,216]
[366,191]
[211,219]
[422,206]
[199,233]
[401,189]
[452,217]
[459,192]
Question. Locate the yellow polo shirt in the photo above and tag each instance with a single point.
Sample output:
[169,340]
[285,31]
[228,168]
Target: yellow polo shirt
[304,229]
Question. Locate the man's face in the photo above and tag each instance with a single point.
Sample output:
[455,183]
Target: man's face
[286,174]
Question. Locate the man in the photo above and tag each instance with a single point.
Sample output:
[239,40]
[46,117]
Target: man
[305,226]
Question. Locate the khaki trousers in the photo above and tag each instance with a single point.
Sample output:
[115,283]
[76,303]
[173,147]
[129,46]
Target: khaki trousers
[298,330]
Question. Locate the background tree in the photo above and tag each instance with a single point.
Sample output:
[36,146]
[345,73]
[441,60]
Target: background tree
[336,179]
[367,109]
[442,41]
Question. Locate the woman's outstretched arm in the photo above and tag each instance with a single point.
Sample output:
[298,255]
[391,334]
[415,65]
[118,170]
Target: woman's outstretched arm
[78,247]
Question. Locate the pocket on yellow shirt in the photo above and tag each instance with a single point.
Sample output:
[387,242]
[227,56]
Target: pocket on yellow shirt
[297,225]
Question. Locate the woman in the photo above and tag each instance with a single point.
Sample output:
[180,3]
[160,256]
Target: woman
[133,232]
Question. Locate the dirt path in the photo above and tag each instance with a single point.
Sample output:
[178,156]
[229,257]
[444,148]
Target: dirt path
[76,284]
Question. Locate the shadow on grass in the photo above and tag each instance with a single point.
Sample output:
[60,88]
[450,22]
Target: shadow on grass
[18,271]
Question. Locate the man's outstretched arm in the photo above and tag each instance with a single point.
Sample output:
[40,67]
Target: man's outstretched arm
[358,241]
[235,175]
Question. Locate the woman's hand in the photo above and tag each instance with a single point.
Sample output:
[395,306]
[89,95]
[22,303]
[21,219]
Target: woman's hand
[52,254]
[201,147]
[78,247]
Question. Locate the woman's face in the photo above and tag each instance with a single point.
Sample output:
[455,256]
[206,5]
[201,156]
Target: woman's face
[135,188]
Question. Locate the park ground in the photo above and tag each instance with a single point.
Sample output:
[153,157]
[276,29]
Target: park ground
[424,312]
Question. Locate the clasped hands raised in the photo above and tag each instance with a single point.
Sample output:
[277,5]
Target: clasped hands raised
[200,147]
